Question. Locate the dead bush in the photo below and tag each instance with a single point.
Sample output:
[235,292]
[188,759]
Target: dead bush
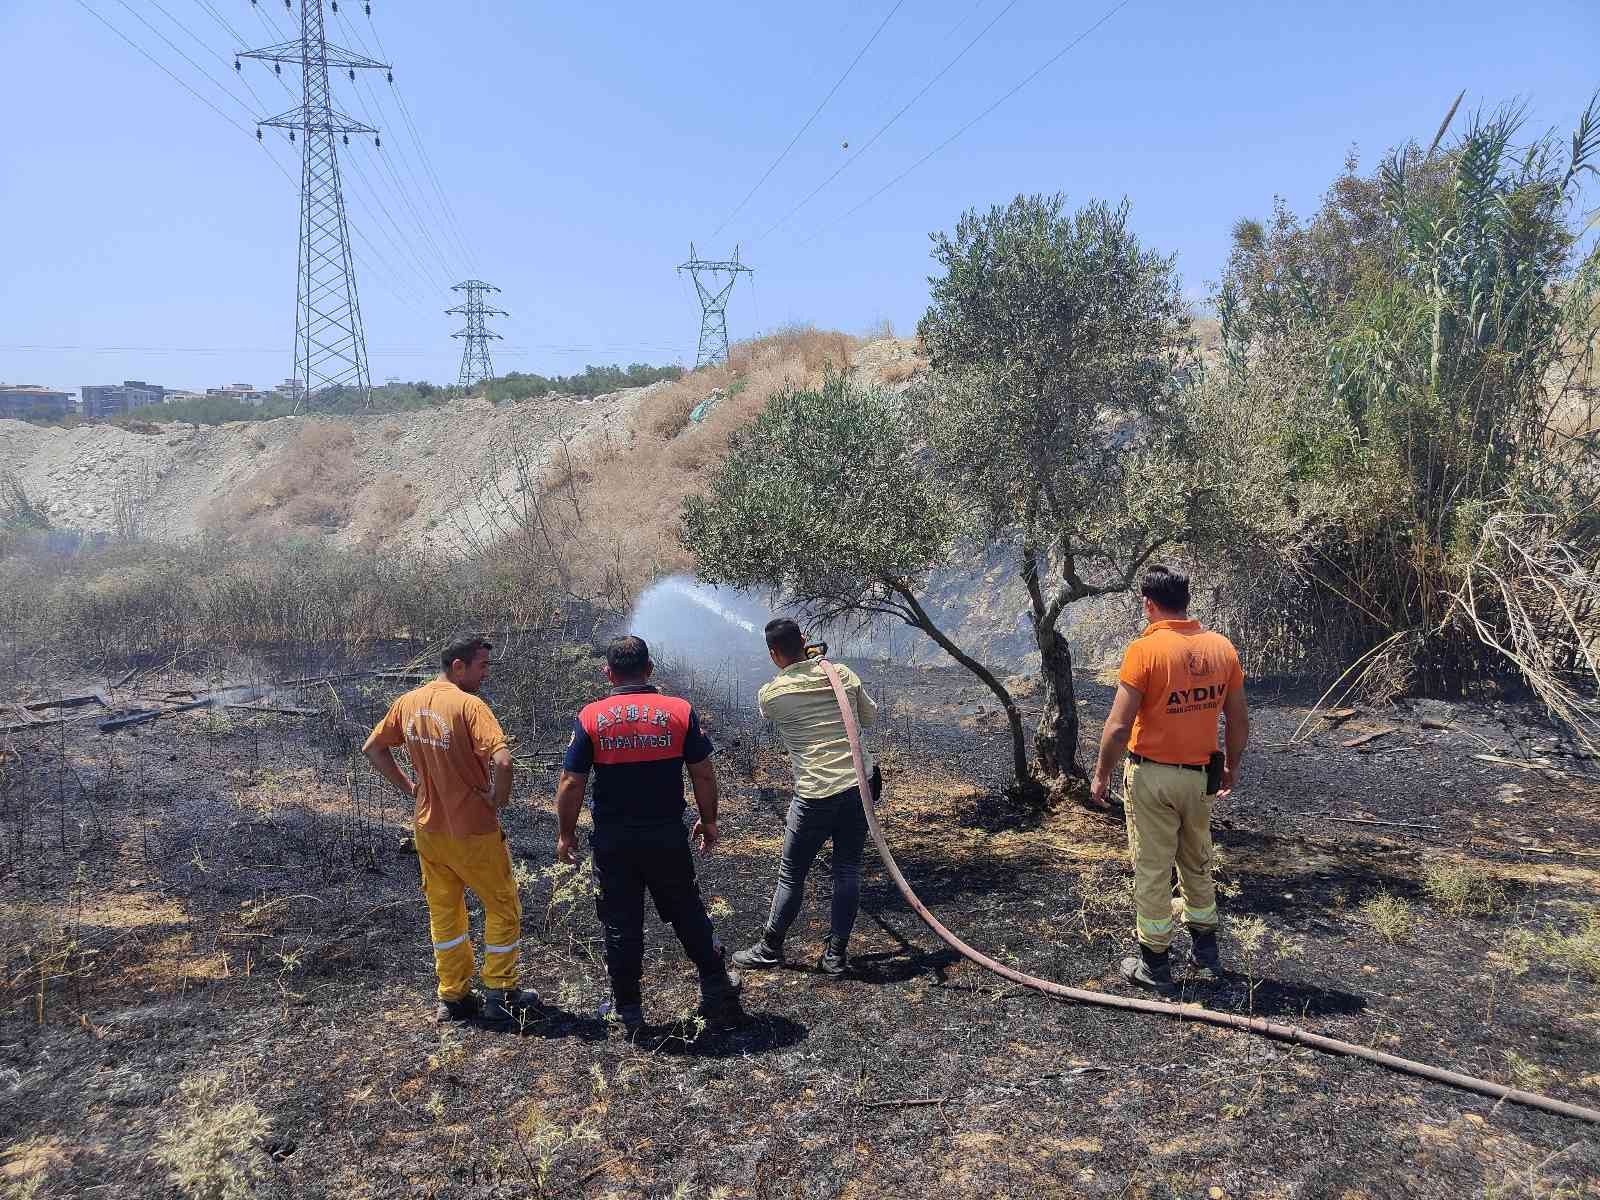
[899,372]
[811,347]
[388,504]
[668,409]
[307,486]
[610,511]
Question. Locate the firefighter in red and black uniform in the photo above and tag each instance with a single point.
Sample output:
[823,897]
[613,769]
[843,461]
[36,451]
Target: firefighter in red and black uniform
[638,742]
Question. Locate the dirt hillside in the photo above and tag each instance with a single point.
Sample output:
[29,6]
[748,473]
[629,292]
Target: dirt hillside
[416,477]
[446,479]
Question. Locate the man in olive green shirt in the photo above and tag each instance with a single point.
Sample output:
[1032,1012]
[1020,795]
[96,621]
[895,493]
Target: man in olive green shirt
[800,702]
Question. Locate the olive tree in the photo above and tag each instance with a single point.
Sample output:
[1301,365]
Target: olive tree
[828,498]
[1057,344]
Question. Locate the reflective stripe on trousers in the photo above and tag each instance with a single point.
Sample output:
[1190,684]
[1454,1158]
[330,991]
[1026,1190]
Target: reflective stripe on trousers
[1169,824]
[481,862]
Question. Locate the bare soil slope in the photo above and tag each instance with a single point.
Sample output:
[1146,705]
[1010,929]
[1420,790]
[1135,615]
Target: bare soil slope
[415,477]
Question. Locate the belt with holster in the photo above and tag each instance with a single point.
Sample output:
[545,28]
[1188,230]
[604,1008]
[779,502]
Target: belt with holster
[1139,758]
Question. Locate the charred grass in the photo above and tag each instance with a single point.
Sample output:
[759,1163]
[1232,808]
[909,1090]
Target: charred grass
[222,917]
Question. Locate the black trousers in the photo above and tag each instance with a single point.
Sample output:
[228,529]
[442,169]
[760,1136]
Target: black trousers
[660,862]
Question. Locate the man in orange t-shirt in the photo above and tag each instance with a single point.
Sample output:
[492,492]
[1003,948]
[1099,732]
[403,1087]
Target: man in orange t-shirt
[1176,680]
[453,738]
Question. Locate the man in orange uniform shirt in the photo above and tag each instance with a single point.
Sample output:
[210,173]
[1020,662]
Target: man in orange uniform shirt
[452,739]
[1176,679]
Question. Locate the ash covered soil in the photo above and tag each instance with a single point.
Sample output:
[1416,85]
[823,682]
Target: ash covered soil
[229,893]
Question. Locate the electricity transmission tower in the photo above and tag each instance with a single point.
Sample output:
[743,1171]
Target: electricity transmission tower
[330,346]
[475,365]
[713,303]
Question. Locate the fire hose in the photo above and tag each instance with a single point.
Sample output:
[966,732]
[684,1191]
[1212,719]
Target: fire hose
[1182,1012]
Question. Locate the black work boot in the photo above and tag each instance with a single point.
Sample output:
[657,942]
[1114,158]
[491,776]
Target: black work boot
[512,1006]
[629,1016]
[765,954]
[463,1009]
[1207,961]
[719,991]
[834,960]
[1150,970]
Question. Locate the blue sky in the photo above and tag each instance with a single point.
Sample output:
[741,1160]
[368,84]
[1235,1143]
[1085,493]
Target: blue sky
[582,146]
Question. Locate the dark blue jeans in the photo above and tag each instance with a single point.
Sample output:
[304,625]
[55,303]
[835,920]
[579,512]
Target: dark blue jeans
[810,824]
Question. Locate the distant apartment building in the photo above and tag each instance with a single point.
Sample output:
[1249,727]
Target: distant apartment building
[245,393]
[292,388]
[21,400]
[101,400]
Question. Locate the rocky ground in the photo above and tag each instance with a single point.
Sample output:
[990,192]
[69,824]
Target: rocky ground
[223,902]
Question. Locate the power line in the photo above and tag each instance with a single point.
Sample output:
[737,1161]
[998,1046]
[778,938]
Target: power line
[387,275]
[446,207]
[181,25]
[410,189]
[164,68]
[223,88]
[239,42]
[404,192]
[372,201]
[400,187]
[962,24]
[884,128]
[401,241]
[238,38]
[365,92]
[269,21]
[816,112]
[1040,70]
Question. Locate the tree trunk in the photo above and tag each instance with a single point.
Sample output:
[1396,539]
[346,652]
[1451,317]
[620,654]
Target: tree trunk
[1055,744]
[1019,738]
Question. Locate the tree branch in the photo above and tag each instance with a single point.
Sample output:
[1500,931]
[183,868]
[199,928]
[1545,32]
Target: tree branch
[1019,746]
[1030,575]
[1075,589]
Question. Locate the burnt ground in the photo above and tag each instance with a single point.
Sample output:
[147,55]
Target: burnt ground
[227,895]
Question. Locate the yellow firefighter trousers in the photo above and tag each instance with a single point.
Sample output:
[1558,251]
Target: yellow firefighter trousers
[481,862]
[1169,821]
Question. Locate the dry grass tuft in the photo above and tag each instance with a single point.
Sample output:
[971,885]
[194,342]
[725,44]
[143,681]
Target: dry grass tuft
[1391,916]
[1462,890]
[212,1151]
[388,504]
[1579,953]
